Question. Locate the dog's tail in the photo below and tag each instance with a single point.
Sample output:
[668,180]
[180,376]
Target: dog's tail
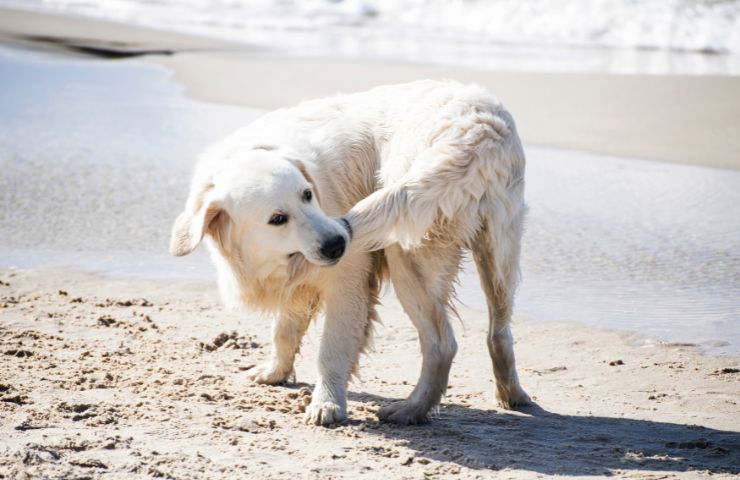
[466,168]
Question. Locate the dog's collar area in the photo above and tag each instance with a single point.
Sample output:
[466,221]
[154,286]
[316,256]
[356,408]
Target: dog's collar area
[347,226]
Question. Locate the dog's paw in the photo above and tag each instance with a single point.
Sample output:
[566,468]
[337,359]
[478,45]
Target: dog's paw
[403,413]
[269,374]
[325,413]
[513,397]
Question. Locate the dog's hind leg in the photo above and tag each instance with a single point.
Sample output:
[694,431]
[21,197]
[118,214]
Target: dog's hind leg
[423,281]
[498,276]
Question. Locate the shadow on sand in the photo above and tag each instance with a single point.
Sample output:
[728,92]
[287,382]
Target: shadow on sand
[545,442]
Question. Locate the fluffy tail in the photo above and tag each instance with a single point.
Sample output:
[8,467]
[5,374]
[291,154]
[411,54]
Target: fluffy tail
[449,181]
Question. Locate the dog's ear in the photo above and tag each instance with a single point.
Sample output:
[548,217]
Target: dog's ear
[191,225]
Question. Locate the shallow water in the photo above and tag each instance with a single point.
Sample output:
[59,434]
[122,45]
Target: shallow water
[631,244]
[95,158]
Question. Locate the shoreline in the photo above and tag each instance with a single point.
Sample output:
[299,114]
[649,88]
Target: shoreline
[154,268]
[551,109]
[552,211]
[678,119]
[557,245]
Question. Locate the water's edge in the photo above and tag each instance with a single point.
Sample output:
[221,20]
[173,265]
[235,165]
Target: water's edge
[95,158]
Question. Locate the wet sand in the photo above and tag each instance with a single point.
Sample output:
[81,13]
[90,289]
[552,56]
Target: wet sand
[108,378]
[28,27]
[680,119]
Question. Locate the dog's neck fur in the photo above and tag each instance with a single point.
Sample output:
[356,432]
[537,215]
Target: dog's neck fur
[242,284]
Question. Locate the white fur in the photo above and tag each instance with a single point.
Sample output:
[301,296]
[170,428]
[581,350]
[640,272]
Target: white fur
[420,172]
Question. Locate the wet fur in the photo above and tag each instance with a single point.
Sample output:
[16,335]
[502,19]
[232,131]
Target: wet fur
[419,173]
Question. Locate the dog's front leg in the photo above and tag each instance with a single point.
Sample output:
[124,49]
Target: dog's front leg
[287,331]
[344,334]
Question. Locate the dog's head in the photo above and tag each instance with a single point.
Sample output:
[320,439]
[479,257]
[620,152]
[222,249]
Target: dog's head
[261,208]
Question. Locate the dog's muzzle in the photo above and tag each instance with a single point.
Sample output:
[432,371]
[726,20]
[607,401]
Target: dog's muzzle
[333,248]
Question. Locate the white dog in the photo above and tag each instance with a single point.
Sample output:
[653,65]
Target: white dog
[415,174]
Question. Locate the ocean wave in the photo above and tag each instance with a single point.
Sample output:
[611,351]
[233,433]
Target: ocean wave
[678,25]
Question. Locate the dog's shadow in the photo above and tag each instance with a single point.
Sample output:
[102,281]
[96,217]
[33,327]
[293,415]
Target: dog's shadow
[545,442]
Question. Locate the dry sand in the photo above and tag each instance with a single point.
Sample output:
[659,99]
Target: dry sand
[104,378]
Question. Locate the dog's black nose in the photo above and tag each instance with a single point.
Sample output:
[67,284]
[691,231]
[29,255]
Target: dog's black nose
[333,248]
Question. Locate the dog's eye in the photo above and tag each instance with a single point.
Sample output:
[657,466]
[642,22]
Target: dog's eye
[278,219]
[307,195]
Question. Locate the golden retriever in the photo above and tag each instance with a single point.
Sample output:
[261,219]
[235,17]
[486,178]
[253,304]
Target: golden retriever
[310,209]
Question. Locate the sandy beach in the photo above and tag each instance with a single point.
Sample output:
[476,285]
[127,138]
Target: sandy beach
[131,379]
[136,371]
